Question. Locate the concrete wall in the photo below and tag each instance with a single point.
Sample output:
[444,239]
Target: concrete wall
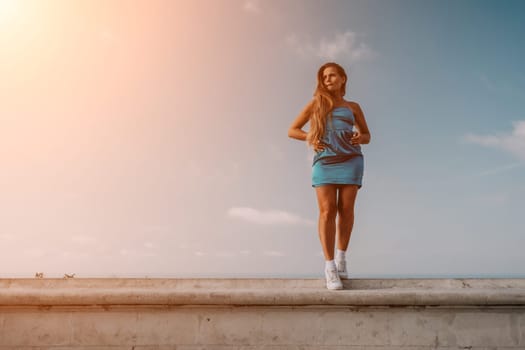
[261,314]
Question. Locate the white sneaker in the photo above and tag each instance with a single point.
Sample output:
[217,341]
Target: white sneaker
[332,280]
[341,269]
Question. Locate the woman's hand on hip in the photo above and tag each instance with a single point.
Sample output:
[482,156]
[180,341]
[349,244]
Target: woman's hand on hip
[356,138]
[319,146]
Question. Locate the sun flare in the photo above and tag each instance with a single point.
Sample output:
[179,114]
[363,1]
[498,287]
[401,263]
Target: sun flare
[8,10]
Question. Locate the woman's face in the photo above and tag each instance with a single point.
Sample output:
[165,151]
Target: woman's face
[332,80]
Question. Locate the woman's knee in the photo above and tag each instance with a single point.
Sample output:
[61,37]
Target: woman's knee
[328,212]
[346,213]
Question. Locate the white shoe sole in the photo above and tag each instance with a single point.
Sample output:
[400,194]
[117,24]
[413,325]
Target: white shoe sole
[335,283]
[334,287]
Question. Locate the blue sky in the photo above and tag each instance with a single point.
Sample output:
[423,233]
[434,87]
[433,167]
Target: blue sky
[159,147]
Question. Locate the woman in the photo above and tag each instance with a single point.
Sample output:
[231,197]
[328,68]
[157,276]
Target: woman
[337,128]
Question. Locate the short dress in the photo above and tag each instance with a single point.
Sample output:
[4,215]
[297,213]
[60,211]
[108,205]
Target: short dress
[340,162]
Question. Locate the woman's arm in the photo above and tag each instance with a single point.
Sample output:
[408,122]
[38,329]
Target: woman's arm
[295,131]
[363,135]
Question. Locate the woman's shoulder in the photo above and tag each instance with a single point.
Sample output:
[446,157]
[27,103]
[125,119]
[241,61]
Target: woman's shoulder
[354,106]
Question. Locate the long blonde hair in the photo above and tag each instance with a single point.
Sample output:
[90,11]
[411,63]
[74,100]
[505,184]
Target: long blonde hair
[323,103]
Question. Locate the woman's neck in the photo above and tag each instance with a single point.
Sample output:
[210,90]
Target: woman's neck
[338,101]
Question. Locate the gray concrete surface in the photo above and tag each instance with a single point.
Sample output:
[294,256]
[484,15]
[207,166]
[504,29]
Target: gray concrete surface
[254,314]
[408,292]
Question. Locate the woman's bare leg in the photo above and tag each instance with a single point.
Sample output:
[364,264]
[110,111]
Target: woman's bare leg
[327,201]
[345,209]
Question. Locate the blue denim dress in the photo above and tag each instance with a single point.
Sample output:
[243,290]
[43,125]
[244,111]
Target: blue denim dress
[340,162]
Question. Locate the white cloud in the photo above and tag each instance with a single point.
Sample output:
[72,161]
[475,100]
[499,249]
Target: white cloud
[225,254]
[500,169]
[341,46]
[252,6]
[513,143]
[269,217]
[273,253]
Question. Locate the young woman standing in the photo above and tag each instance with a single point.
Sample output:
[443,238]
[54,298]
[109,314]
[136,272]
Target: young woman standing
[337,129]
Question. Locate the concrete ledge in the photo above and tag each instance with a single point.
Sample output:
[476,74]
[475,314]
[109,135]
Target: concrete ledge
[246,292]
[261,314]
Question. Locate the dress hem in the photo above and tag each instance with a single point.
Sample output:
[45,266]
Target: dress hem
[356,181]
